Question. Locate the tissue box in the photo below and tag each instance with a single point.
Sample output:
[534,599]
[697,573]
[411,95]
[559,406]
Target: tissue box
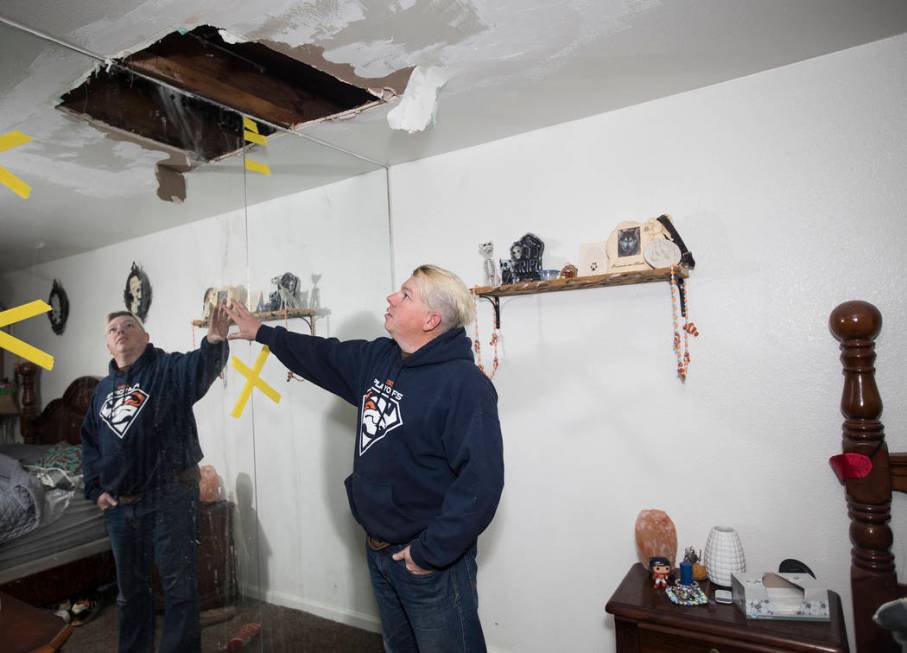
[780,596]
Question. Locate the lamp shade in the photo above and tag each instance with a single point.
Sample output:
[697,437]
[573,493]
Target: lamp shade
[723,555]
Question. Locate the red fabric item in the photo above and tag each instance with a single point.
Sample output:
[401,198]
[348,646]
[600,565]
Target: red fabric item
[850,465]
[243,636]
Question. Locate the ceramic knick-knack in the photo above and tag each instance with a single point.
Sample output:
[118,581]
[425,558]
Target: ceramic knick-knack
[723,555]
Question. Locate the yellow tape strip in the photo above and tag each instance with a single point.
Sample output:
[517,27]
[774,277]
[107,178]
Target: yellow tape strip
[23,312]
[11,181]
[18,347]
[253,380]
[249,124]
[9,140]
[26,351]
[252,137]
[255,166]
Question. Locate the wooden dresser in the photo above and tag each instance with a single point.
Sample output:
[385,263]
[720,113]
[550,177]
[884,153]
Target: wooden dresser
[647,622]
[216,557]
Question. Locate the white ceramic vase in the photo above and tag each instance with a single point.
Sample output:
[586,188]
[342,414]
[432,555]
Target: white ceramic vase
[723,555]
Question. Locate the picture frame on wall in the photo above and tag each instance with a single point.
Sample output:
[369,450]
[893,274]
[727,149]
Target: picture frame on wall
[59,308]
[137,294]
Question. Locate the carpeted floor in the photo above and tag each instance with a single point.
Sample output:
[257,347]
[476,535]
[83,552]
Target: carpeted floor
[283,631]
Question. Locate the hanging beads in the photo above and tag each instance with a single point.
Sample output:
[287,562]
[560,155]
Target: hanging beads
[477,345]
[683,327]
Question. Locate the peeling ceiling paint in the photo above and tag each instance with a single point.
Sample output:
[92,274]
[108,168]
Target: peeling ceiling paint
[485,68]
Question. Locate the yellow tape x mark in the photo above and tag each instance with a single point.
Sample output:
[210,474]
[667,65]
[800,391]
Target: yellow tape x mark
[8,141]
[18,347]
[253,380]
[250,133]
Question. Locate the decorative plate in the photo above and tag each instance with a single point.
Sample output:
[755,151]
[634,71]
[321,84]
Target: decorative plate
[661,253]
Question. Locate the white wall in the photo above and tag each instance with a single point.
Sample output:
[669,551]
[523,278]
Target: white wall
[788,186]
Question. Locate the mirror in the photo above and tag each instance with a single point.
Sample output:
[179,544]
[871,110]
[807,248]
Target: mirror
[145,198]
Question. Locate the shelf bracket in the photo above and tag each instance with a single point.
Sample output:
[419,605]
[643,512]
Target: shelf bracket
[496,305]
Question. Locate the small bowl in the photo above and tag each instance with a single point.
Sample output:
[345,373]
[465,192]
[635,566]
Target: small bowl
[548,275]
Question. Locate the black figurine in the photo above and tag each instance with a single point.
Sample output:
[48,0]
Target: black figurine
[525,262]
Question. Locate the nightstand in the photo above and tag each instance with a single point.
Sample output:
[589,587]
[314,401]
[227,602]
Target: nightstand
[647,622]
[216,555]
[24,628]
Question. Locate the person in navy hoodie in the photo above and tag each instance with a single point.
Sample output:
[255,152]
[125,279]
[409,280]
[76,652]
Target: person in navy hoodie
[428,467]
[140,455]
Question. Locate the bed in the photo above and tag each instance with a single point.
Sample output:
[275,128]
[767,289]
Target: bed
[872,570]
[68,553]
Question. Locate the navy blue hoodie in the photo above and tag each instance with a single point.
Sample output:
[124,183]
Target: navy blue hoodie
[139,431]
[429,466]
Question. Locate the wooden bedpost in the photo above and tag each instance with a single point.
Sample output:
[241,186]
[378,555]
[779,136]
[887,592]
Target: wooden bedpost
[29,403]
[872,575]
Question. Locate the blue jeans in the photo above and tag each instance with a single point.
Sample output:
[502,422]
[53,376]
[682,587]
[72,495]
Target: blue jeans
[432,613]
[160,528]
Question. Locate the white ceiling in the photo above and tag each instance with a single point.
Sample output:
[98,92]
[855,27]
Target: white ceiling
[508,66]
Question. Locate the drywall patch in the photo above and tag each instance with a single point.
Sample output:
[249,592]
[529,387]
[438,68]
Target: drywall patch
[417,108]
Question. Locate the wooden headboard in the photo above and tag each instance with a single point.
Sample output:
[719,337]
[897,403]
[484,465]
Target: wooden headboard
[61,419]
[873,579]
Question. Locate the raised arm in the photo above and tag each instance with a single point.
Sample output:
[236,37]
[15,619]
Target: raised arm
[326,362]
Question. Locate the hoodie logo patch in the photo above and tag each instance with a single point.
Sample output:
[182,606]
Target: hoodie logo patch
[121,407]
[380,414]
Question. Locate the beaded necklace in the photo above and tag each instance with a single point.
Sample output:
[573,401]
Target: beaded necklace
[477,345]
[680,308]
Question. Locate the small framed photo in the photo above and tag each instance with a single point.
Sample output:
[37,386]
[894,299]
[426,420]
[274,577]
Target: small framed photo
[627,243]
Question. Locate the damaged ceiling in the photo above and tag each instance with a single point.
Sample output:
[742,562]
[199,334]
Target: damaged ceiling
[422,77]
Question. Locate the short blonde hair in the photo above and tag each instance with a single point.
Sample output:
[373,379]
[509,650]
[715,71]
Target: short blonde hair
[116,314]
[444,292]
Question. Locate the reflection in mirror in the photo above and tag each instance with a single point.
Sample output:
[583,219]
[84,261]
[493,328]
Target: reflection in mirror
[120,444]
[178,496]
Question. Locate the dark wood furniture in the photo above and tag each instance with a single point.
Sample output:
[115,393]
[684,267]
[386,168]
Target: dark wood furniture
[216,555]
[873,580]
[26,629]
[216,558]
[647,622]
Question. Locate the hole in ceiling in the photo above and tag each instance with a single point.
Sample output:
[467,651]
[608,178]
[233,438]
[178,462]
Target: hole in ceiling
[250,78]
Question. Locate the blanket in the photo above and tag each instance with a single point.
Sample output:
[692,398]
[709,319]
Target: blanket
[21,500]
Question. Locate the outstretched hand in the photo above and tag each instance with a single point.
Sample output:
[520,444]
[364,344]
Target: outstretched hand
[218,325]
[247,323]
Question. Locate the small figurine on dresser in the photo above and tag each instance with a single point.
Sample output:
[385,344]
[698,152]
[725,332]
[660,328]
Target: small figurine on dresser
[660,569]
[492,277]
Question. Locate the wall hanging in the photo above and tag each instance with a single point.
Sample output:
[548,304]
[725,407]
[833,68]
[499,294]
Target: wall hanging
[59,308]
[137,294]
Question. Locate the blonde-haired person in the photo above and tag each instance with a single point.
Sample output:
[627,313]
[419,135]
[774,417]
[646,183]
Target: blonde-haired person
[428,468]
[140,455]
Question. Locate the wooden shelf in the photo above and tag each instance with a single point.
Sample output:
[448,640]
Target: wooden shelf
[307,314]
[578,283]
[494,293]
